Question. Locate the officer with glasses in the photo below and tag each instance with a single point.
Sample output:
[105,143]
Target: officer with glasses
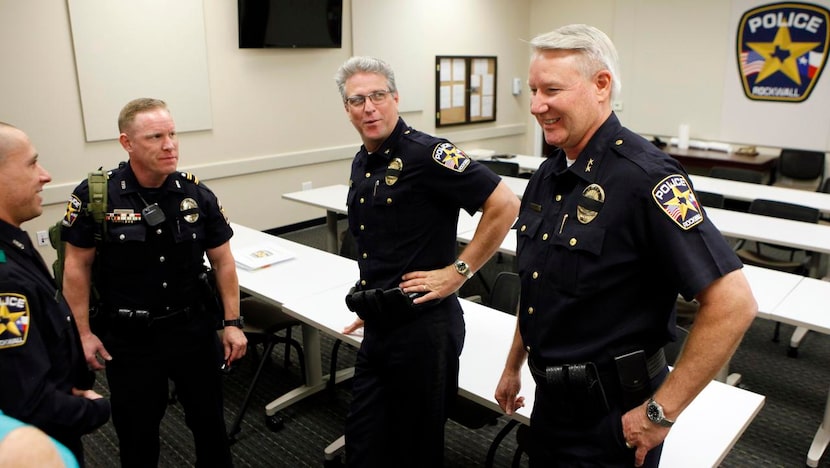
[405,191]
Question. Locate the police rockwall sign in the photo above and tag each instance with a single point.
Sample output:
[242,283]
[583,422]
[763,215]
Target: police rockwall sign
[782,49]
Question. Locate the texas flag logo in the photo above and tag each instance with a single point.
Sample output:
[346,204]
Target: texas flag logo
[782,49]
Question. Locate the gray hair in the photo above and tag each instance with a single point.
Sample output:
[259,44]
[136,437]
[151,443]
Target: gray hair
[360,64]
[6,131]
[597,49]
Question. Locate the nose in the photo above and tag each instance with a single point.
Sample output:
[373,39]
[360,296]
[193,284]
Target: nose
[44,175]
[537,105]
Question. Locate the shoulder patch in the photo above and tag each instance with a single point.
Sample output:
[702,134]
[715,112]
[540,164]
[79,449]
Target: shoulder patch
[73,209]
[675,197]
[14,320]
[451,157]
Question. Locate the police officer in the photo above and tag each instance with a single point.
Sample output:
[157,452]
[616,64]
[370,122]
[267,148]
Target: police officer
[44,377]
[609,233]
[152,324]
[405,191]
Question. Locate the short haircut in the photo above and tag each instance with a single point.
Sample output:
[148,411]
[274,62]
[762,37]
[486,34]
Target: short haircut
[595,46]
[362,64]
[135,107]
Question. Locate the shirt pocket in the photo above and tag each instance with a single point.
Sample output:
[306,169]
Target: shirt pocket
[529,240]
[576,258]
[123,233]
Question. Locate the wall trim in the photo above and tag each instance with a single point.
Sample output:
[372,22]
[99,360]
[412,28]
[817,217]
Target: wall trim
[59,193]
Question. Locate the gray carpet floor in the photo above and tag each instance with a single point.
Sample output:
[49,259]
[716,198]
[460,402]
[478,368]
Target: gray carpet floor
[796,390]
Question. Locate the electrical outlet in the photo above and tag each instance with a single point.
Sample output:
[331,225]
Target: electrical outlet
[42,238]
[307,185]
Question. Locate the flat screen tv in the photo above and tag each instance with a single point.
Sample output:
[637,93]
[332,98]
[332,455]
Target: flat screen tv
[290,23]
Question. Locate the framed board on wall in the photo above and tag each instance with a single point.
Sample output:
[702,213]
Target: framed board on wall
[465,90]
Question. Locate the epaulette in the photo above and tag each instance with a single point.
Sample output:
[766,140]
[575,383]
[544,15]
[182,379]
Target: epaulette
[189,177]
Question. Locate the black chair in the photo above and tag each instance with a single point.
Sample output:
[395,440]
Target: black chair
[262,323]
[674,348]
[801,169]
[778,257]
[739,175]
[714,200]
[505,168]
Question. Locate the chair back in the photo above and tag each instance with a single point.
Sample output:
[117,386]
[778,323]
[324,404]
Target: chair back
[505,168]
[825,186]
[715,200]
[504,294]
[784,210]
[674,348]
[738,174]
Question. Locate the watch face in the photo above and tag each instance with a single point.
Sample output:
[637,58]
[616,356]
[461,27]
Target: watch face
[654,412]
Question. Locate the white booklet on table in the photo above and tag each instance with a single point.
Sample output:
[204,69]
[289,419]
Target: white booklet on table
[256,256]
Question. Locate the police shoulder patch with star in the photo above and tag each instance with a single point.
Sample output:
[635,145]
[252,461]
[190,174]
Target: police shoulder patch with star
[675,197]
[450,156]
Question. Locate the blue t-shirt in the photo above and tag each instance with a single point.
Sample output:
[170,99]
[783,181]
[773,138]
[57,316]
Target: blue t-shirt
[8,424]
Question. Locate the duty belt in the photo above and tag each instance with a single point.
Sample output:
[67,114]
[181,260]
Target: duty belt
[385,307]
[156,316]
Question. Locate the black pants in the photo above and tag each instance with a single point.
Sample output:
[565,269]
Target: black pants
[405,380]
[143,360]
[567,435]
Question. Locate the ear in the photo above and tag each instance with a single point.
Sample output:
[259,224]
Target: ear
[125,142]
[602,81]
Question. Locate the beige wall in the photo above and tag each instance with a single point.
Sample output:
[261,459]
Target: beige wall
[277,117]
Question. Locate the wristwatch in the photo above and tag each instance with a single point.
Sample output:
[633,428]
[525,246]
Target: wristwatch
[238,323]
[463,269]
[655,414]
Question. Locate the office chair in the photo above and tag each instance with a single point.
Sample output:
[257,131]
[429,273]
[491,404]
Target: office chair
[740,175]
[715,200]
[778,257]
[800,169]
[262,323]
[505,168]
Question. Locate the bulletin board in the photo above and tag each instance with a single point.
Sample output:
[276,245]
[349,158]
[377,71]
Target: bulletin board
[465,90]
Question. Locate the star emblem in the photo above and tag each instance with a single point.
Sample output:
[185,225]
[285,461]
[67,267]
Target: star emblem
[781,55]
[8,321]
[682,201]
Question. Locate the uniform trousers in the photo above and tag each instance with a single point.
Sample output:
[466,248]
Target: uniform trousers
[144,359]
[405,380]
[568,434]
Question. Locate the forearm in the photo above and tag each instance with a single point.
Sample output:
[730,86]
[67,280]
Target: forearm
[517,355]
[499,214]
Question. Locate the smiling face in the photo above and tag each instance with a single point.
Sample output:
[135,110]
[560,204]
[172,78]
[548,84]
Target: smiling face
[373,121]
[153,145]
[569,105]
[23,178]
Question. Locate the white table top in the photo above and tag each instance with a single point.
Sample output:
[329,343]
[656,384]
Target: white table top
[797,234]
[309,272]
[703,435]
[330,197]
[770,287]
[806,306]
[747,192]
[526,162]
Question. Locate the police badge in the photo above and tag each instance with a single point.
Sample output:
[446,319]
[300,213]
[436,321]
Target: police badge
[393,171]
[593,197]
[782,49]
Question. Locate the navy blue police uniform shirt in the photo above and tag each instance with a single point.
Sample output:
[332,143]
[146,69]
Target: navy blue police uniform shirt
[606,245]
[143,266]
[403,204]
[41,358]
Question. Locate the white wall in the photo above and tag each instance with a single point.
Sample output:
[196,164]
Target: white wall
[277,117]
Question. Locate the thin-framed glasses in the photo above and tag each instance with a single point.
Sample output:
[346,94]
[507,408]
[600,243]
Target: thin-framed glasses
[377,97]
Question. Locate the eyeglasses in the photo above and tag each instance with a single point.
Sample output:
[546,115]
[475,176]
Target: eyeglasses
[358,100]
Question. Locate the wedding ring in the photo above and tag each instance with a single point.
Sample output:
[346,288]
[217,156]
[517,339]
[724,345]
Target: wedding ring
[628,445]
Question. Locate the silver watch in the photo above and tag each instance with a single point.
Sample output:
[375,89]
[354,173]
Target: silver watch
[655,414]
[463,269]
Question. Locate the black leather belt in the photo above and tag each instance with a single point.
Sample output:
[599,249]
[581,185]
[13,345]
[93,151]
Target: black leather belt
[654,364]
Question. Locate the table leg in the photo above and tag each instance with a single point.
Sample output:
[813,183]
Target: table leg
[331,227]
[315,381]
[821,439]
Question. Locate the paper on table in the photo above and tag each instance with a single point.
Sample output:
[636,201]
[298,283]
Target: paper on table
[260,255]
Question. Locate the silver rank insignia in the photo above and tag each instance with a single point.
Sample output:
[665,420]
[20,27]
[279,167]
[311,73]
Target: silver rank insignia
[393,171]
[591,202]
[189,209]
[14,320]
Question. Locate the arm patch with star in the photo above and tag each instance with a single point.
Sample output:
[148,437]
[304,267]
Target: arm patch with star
[450,156]
[676,199]
[14,320]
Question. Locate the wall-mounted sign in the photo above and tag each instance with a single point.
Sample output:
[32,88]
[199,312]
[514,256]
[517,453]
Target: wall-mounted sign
[781,50]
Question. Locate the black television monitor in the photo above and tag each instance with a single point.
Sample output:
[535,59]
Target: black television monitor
[290,23]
